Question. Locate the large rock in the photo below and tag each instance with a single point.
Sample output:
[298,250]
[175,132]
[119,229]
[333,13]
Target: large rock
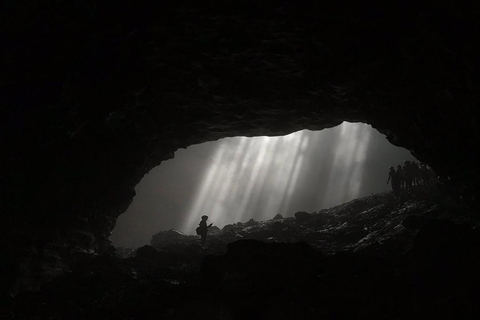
[258,280]
[250,263]
[302,216]
[445,260]
[169,237]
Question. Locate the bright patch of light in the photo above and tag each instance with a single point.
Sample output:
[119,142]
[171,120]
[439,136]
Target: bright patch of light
[236,182]
[345,178]
[257,177]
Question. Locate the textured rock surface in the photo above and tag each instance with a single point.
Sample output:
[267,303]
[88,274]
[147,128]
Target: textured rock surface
[355,261]
[94,95]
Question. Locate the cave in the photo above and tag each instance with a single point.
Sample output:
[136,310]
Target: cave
[96,95]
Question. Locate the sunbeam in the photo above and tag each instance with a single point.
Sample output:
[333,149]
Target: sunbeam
[345,177]
[260,178]
[236,189]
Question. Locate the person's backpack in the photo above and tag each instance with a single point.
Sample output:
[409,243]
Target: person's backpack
[199,230]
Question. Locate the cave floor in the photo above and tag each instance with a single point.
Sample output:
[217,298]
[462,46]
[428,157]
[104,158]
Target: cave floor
[377,257]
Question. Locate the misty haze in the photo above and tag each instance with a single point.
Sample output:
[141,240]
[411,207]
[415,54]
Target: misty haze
[237,179]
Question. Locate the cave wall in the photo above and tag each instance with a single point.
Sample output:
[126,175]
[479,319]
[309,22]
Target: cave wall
[95,95]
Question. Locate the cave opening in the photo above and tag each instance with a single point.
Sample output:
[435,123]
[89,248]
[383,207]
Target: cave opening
[241,178]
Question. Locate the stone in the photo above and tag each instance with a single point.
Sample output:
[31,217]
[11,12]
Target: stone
[147,252]
[279,264]
[213,230]
[250,223]
[302,216]
[169,237]
[278,216]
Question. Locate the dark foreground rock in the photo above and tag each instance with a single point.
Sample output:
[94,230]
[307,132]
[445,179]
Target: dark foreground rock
[372,258]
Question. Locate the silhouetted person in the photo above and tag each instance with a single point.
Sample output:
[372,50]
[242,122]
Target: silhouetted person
[429,176]
[393,179]
[416,174]
[400,177]
[408,174]
[202,229]
[433,177]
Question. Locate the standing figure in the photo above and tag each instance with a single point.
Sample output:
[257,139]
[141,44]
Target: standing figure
[399,174]
[393,179]
[417,175]
[202,229]
[407,174]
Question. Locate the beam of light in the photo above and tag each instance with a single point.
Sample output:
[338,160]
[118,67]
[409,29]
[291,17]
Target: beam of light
[235,179]
[258,177]
[252,179]
[200,199]
[345,178]
[294,173]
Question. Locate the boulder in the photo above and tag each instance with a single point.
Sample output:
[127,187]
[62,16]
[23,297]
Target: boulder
[214,230]
[249,263]
[445,258]
[147,252]
[302,216]
[169,237]
[278,216]
[250,223]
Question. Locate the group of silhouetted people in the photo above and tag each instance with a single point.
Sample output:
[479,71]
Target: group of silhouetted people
[409,176]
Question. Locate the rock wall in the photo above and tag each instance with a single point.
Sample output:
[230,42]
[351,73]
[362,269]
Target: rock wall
[95,95]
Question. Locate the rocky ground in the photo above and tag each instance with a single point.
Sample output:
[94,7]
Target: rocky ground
[377,257]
